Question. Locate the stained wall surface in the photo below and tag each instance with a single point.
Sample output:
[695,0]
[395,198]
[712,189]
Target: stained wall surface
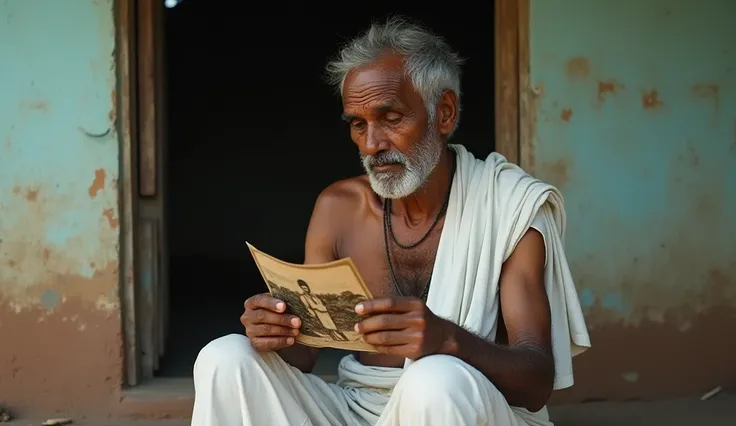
[60,340]
[634,118]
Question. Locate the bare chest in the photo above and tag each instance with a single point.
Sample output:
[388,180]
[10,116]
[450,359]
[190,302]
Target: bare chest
[387,268]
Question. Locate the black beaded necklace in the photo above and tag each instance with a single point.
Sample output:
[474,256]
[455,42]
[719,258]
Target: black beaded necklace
[388,230]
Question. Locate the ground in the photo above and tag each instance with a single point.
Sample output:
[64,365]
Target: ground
[720,410]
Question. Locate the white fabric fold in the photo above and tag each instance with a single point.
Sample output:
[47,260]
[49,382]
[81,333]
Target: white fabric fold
[492,205]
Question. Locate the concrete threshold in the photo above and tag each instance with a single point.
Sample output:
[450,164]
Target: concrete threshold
[159,398]
[166,398]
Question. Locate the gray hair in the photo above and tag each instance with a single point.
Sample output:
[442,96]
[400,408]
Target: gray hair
[429,62]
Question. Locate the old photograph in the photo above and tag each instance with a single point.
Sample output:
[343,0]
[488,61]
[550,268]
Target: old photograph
[323,296]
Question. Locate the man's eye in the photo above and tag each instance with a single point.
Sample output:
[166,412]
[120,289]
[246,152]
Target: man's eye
[393,118]
[357,124]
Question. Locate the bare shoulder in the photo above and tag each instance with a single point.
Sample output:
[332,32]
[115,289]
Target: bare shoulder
[336,210]
[344,198]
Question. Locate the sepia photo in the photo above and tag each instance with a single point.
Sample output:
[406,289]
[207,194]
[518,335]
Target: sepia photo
[323,296]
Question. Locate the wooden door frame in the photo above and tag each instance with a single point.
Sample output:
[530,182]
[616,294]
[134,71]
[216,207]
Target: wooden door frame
[128,177]
[514,122]
[514,125]
[140,124]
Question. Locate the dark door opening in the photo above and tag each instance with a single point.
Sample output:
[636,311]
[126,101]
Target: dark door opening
[254,134]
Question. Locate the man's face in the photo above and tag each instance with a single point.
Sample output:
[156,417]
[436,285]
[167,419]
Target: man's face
[399,146]
[304,287]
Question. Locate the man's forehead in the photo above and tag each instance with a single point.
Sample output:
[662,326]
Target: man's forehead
[382,85]
[386,70]
[375,79]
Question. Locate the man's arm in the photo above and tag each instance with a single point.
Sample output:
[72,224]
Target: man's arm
[523,371]
[319,247]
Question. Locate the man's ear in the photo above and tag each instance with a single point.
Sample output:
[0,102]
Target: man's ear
[447,112]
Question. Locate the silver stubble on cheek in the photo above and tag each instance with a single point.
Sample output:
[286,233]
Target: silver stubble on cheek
[417,167]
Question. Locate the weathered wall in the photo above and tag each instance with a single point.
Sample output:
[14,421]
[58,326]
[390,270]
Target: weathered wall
[636,123]
[60,344]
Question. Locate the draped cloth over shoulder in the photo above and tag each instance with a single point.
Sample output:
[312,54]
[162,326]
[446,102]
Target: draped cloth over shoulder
[492,205]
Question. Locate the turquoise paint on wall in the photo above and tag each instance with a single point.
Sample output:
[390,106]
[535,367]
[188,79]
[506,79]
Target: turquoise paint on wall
[58,191]
[636,123]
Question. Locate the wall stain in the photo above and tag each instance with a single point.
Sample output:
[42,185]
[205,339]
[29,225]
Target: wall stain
[35,105]
[707,91]
[111,219]
[577,67]
[98,183]
[558,173]
[650,99]
[566,114]
[31,194]
[113,114]
[606,88]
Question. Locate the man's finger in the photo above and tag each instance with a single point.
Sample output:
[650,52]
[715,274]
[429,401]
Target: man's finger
[390,304]
[264,316]
[271,343]
[383,322]
[270,330]
[265,301]
[388,338]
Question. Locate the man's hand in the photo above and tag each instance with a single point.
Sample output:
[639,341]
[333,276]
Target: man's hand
[267,325]
[402,326]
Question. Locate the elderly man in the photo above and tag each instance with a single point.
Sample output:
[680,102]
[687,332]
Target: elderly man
[475,319]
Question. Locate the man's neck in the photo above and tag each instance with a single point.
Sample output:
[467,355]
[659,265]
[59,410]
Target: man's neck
[425,203]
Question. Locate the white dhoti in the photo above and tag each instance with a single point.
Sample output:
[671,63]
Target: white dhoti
[235,385]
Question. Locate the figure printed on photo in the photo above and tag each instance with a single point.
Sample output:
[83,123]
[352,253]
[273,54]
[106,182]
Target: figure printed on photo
[318,309]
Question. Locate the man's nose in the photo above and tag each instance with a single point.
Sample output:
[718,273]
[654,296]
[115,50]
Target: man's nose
[376,140]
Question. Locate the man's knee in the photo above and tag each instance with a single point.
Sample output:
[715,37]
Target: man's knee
[226,354]
[441,379]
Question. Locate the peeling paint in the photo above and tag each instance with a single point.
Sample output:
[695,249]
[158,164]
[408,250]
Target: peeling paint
[607,88]
[50,298]
[112,221]
[646,163]
[566,114]
[587,298]
[98,184]
[650,99]
[577,67]
[59,231]
[615,302]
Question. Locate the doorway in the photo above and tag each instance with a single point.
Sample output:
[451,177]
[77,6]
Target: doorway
[253,136]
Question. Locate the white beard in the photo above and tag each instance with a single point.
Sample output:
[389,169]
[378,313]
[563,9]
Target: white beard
[417,167]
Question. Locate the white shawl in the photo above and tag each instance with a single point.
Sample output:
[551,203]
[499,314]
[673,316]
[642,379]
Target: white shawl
[492,205]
